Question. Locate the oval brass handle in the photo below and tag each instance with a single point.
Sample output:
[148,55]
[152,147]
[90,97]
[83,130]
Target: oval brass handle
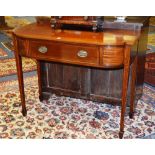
[42,49]
[82,54]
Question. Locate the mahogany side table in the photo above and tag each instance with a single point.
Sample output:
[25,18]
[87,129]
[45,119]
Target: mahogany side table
[111,49]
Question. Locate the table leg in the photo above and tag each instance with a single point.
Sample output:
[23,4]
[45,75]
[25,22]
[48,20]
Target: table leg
[21,83]
[39,80]
[132,90]
[124,88]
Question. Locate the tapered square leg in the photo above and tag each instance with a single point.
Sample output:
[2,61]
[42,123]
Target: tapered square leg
[40,97]
[131,115]
[39,80]
[20,78]
[124,88]
[132,87]
[24,112]
[121,133]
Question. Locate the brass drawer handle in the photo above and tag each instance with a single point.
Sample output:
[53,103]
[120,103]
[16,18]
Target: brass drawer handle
[82,54]
[42,49]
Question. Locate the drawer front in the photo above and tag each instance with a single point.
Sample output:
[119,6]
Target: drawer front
[67,53]
[104,57]
[112,56]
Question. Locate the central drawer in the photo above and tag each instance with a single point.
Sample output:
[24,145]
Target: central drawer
[63,52]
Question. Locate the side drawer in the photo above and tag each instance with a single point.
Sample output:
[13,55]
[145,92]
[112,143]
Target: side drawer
[112,56]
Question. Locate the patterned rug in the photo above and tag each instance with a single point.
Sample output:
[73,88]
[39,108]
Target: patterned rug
[7,60]
[65,117]
[8,66]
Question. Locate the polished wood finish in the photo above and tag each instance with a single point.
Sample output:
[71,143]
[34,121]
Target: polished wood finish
[124,87]
[133,84]
[61,52]
[108,37]
[112,56]
[39,80]
[101,72]
[20,77]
